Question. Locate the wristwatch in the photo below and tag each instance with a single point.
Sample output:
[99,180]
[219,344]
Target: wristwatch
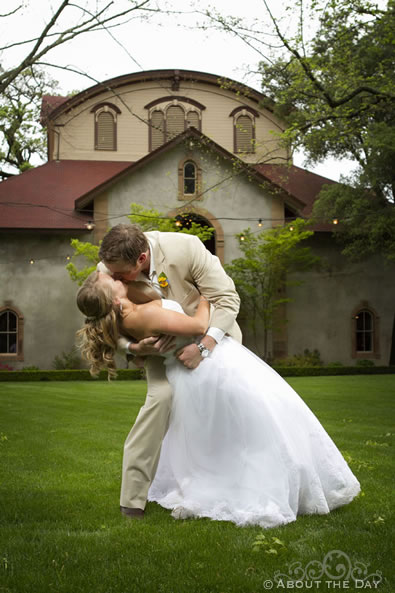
[204,352]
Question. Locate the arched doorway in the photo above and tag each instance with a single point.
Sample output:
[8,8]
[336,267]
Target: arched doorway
[186,219]
[204,217]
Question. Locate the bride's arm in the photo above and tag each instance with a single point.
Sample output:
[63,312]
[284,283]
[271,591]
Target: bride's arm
[154,320]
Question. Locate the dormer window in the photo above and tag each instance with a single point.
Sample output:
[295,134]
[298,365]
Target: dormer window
[170,116]
[244,129]
[105,126]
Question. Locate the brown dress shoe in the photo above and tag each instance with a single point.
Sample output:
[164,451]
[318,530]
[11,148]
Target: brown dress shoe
[132,513]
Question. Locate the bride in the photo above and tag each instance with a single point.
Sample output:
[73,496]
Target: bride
[242,446]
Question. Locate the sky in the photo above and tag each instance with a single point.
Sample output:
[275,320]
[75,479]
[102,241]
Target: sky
[174,41]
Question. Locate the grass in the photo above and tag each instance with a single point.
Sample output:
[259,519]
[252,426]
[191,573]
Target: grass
[61,530]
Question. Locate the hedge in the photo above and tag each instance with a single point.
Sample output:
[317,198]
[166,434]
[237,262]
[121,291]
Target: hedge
[69,375]
[137,374]
[331,371]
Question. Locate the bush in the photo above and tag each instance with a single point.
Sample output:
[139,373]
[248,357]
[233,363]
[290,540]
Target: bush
[307,359]
[5,367]
[364,362]
[32,367]
[67,360]
[335,364]
[68,375]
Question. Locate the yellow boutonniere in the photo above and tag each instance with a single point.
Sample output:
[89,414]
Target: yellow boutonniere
[163,281]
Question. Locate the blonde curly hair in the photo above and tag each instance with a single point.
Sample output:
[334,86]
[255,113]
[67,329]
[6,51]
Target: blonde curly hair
[97,340]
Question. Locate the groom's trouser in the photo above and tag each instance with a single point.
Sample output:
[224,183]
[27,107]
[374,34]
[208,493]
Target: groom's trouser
[143,444]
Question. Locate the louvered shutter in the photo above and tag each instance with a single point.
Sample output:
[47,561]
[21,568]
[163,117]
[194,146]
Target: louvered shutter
[157,129]
[244,134]
[175,121]
[105,131]
[193,120]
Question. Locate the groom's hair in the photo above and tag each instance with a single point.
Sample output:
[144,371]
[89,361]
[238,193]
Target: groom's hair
[124,242]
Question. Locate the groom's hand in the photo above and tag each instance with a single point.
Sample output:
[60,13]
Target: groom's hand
[190,355]
[155,345]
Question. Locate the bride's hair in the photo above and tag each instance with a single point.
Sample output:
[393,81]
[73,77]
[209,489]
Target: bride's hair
[97,340]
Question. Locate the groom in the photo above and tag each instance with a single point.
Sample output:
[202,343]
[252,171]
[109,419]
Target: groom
[176,266]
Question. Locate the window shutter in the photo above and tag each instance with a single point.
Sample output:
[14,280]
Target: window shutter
[105,131]
[244,134]
[193,120]
[175,121]
[157,129]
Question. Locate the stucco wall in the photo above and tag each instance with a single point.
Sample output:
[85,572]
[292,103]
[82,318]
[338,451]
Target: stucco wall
[320,314]
[43,293]
[157,185]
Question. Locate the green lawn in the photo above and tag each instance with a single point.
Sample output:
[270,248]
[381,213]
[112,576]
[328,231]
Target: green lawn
[61,530]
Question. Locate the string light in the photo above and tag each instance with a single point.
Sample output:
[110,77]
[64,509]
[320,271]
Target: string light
[260,222]
[90,225]
[242,238]
[68,257]
[31,262]
[335,221]
[291,228]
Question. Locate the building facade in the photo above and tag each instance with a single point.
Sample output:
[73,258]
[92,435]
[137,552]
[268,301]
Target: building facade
[184,143]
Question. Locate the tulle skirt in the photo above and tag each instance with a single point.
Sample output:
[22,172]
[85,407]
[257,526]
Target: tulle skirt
[242,446]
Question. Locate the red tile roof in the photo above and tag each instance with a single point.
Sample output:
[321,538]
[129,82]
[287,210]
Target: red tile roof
[44,197]
[299,183]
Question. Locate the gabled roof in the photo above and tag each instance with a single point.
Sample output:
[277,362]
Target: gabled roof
[44,197]
[239,166]
[53,195]
[175,76]
[301,184]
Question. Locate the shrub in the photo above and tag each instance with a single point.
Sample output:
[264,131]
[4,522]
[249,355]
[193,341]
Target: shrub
[67,360]
[307,359]
[364,362]
[5,367]
[32,367]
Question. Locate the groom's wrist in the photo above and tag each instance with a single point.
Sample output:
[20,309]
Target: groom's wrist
[208,342]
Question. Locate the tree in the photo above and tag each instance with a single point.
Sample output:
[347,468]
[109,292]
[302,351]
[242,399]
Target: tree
[86,17]
[21,135]
[262,272]
[331,80]
[148,219]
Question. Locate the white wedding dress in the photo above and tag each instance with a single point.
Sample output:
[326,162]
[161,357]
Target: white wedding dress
[242,446]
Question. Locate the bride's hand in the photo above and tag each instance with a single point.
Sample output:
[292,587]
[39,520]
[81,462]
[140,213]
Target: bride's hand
[154,345]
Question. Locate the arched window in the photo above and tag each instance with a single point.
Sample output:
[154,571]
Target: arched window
[193,120]
[244,128]
[105,126]
[365,333]
[244,134]
[11,334]
[157,129]
[169,117]
[189,180]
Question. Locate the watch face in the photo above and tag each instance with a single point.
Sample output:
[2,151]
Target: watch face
[205,353]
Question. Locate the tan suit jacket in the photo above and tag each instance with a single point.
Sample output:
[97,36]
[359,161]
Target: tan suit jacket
[191,270]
